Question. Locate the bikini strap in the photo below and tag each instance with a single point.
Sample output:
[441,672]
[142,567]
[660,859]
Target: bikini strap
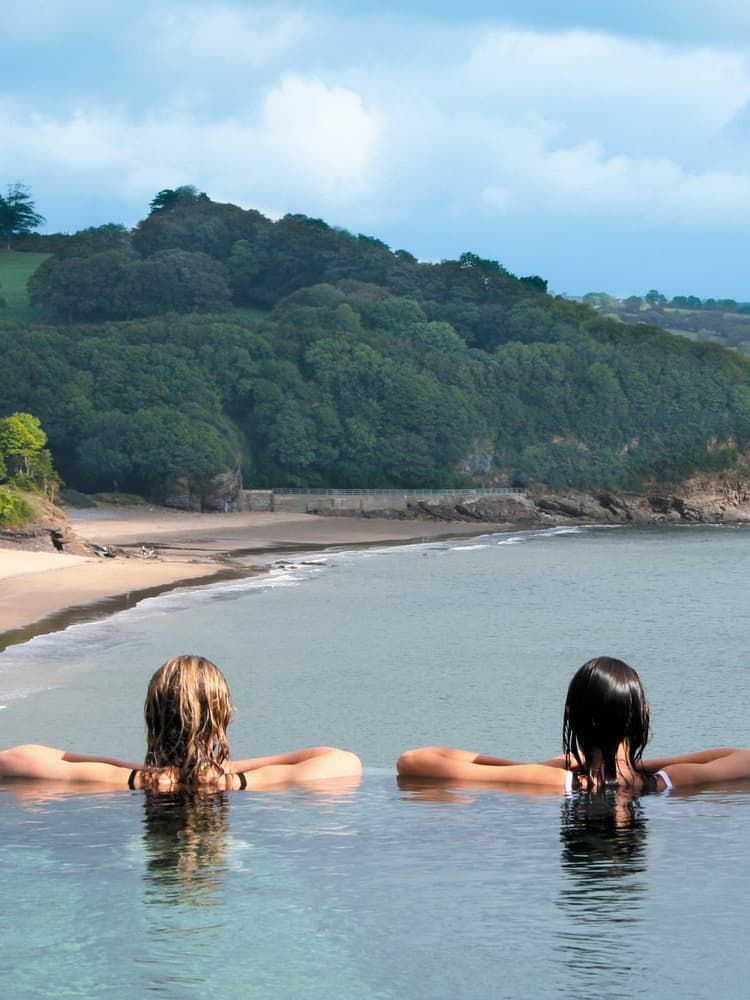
[572,782]
[665,778]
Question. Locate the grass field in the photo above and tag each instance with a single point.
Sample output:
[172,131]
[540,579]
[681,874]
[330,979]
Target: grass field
[15,270]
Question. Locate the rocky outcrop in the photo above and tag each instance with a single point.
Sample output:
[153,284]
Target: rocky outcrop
[721,499]
[49,532]
[700,501]
[222,493]
[515,508]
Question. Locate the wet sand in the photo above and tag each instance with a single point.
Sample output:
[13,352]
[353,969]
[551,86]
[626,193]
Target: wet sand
[43,591]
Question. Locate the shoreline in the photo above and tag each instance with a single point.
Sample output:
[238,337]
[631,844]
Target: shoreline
[44,592]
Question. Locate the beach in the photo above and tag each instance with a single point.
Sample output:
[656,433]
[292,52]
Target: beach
[40,590]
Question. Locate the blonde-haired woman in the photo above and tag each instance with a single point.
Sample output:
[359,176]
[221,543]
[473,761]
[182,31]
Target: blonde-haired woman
[188,709]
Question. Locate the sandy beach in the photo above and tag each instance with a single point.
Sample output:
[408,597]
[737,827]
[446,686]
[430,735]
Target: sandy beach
[41,591]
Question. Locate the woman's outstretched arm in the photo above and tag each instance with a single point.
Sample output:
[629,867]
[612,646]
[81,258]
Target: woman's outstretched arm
[298,767]
[94,758]
[47,763]
[716,766]
[451,764]
[699,757]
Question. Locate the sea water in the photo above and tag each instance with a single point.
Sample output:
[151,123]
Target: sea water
[469,643]
[383,891]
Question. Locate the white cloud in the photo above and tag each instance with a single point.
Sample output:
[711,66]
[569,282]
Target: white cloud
[324,133]
[227,35]
[85,140]
[618,131]
[631,82]
[315,143]
[297,109]
[583,180]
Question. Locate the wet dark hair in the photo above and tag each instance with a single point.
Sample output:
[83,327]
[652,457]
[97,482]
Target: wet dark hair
[606,706]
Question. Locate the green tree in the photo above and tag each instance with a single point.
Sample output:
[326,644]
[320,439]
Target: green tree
[177,281]
[23,457]
[117,284]
[94,239]
[535,282]
[18,215]
[169,197]
[633,303]
[191,221]
[599,300]
[467,260]
[21,439]
[292,440]
[84,287]
[687,302]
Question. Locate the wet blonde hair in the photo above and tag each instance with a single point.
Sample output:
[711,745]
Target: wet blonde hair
[187,710]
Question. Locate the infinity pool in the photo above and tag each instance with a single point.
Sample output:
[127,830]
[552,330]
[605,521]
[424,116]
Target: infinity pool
[374,892]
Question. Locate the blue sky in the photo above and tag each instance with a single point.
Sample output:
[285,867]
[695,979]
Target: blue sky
[602,145]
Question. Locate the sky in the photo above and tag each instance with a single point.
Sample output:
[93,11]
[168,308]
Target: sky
[602,144]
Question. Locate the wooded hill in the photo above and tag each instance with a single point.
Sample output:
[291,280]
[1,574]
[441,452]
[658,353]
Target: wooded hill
[211,337]
[718,321]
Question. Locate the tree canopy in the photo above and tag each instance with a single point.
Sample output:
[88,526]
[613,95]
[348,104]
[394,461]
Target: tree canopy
[18,215]
[212,336]
[24,460]
[171,197]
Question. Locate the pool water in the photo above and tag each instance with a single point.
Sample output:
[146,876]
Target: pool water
[382,892]
[374,892]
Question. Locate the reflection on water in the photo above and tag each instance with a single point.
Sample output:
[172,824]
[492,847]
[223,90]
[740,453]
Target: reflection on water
[184,878]
[184,837]
[383,894]
[603,886]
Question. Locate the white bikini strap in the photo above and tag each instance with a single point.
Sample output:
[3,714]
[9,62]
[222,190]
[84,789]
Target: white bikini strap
[665,778]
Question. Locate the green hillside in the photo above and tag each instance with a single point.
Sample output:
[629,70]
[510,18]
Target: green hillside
[723,321]
[211,338]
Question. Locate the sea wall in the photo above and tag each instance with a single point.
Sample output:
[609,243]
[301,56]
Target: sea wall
[354,503]
[723,499]
[711,499]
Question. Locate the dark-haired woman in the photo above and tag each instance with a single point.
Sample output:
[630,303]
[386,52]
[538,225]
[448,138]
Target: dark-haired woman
[605,731]
[187,710]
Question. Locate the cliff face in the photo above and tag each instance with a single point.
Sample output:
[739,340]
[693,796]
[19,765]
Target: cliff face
[50,531]
[723,498]
[220,494]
